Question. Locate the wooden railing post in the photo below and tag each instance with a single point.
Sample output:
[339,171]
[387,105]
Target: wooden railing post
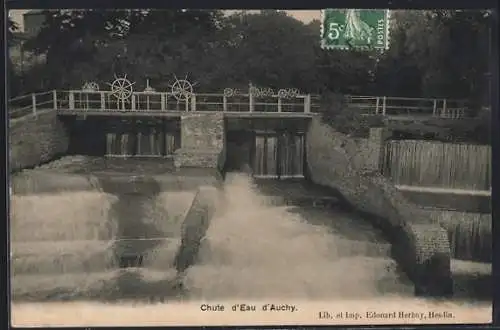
[33,102]
[224,103]
[54,99]
[103,100]
[279,104]
[434,108]
[307,103]
[377,105]
[384,104]
[71,100]
[187,105]
[193,102]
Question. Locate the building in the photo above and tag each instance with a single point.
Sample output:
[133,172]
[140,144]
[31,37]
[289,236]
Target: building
[21,59]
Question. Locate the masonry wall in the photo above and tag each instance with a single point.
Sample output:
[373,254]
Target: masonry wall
[350,168]
[202,141]
[35,139]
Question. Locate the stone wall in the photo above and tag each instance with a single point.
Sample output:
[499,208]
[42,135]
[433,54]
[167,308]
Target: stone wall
[36,139]
[202,141]
[194,227]
[351,168]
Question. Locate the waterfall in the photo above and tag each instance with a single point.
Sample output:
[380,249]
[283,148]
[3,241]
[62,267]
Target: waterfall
[278,156]
[448,165]
[150,141]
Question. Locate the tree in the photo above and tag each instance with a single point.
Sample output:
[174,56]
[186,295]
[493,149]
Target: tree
[14,80]
[93,45]
[437,53]
[270,49]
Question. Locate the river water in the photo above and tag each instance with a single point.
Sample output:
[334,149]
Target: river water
[255,248]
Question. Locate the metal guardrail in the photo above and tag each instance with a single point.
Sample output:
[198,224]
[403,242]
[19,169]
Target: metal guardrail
[406,106]
[154,101]
[29,104]
[157,101]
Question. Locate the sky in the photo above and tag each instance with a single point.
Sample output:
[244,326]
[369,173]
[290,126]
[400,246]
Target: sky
[303,15]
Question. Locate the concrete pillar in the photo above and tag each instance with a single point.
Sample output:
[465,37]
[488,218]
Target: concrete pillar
[202,140]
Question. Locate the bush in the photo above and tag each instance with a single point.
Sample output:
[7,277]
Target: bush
[336,112]
[467,130]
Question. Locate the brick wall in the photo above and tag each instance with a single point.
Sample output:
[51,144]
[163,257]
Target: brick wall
[36,139]
[202,141]
[349,167]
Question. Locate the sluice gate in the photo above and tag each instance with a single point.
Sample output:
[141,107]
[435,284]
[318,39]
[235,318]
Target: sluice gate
[268,148]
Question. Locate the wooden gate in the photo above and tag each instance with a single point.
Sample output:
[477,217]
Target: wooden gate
[141,139]
[279,155]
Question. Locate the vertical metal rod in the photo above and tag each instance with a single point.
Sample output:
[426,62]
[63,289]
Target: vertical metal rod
[71,100]
[162,101]
[103,101]
[193,102]
[54,99]
[33,102]
[307,103]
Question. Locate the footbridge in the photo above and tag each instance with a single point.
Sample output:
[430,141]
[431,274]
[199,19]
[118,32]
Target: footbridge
[251,104]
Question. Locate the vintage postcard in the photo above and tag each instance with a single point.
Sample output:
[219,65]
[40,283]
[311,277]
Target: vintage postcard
[250,167]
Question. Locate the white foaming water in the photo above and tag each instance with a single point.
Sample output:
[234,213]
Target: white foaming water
[256,251]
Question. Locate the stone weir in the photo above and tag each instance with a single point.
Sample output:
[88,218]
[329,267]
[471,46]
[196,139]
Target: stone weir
[350,168]
[120,237]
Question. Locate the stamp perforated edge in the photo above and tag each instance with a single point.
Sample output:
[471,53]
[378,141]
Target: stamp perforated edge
[329,47]
[387,28]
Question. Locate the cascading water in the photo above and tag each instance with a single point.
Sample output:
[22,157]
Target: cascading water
[71,244]
[141,144]
[279,155]
[444,165]
[451,166]
[257,251]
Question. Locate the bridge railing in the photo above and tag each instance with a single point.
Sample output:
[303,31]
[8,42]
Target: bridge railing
[404,106]
[107,101]
[154,101]
[397,106]
[29,104]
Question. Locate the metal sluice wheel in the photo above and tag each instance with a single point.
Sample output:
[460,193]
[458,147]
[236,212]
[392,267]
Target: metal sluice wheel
[91,86]
[121,88]
[182,89]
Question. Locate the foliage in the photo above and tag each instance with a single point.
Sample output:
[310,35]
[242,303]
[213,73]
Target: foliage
[438,53]
[14,80]
[434,53]
[336,112]
[476,130]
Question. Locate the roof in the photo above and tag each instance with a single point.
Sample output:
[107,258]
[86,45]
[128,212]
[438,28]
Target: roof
[34,12]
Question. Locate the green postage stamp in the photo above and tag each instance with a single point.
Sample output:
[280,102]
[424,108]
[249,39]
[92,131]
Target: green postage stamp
[355,28]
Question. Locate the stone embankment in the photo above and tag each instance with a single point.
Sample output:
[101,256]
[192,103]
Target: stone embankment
[35,139]
[351,168]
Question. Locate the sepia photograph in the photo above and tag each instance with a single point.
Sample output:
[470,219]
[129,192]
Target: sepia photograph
[214,167]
